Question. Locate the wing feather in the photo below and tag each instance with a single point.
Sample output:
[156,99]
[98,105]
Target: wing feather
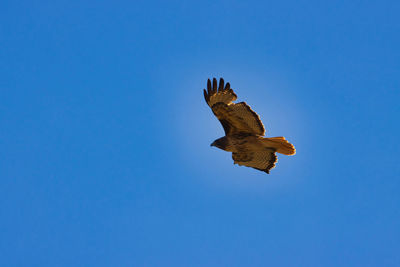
[250,121]
[215,95]
[261,160]
[234,117]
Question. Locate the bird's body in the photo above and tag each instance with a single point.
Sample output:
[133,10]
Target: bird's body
[244,130]
[238,142]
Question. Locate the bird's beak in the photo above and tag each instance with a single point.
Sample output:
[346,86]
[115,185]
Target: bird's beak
[213,144]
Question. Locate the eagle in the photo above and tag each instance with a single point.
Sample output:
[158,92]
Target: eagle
[244,130]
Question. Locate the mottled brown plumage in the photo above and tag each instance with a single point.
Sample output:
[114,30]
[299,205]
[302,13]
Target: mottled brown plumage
[243,130]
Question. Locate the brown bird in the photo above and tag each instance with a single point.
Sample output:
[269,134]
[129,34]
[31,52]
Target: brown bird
[244,130]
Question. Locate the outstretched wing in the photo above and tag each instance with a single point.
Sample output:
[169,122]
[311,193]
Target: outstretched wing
[234,117]
[261,160]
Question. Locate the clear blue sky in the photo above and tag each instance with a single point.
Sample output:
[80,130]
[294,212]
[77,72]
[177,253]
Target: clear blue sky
[104,141]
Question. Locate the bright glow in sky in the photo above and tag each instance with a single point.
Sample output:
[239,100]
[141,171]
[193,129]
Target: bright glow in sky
[105,156]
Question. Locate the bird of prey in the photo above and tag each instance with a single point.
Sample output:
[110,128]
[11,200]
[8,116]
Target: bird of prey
[244,130]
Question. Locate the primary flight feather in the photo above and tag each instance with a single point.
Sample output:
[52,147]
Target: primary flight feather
[244,130]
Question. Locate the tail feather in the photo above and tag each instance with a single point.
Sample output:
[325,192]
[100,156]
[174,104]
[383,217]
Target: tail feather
[280,144]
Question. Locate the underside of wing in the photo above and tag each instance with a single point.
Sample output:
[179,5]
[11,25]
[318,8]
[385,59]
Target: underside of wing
[235,118]
[247,119]
[261,160]
[218,93]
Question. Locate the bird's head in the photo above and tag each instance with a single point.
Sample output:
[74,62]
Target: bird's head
[221,143]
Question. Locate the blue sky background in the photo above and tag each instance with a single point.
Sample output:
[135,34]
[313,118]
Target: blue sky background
[104,141]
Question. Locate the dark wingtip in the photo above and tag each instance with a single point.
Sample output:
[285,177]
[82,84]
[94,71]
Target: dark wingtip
[264,170]
[205,95]
[209,87]
[233,93]
[215,85]
[221,85]
[227,86]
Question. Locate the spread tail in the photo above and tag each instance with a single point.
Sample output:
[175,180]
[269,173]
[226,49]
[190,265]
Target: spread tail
[280,144]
